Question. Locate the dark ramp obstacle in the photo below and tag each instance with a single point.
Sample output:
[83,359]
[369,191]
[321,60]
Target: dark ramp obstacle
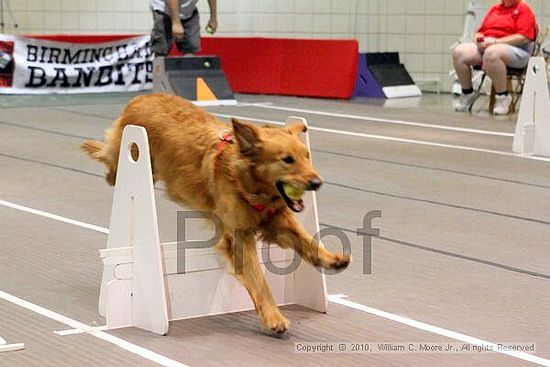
[198,79]
[381,75]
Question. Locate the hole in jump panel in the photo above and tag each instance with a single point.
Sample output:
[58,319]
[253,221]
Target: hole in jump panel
[133,152]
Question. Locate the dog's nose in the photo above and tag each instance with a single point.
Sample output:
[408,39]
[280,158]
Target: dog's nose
[315,183]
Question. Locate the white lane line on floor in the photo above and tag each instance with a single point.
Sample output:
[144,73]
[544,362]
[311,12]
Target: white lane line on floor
[124,344]
[53,216]
[339,299]
[382,120]
[336,298]
[247,104]
[394,139]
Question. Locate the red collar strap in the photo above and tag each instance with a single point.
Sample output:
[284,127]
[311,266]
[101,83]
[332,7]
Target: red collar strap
[259,202]
[255,201]
[226,138]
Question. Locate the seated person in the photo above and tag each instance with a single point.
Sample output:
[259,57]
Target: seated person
[505,38]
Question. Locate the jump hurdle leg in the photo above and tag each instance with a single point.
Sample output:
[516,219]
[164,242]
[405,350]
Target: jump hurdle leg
[310,287]
[533,125]
[133,292]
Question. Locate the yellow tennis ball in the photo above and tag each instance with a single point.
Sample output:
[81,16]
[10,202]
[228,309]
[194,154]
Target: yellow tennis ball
[293,192]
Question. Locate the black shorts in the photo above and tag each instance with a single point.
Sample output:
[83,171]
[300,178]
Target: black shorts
[162,38]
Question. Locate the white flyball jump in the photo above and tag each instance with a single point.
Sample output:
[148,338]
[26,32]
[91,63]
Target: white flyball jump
[141,286]
[532,135]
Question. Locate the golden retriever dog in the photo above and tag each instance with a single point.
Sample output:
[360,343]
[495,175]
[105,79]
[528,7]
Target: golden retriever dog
[251,177]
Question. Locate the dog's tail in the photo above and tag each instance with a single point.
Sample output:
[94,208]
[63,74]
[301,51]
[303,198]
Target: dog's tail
[99,151]
[106,152]
[96,150]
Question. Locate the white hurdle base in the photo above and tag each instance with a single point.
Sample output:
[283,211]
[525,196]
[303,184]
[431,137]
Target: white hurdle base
[532,135]
[5,347]
[141,286]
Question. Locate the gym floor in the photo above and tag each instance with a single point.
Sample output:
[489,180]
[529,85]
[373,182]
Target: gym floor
[463,249]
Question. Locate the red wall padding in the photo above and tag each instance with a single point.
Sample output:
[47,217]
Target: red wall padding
[310,68]
[313,68]
[82,38]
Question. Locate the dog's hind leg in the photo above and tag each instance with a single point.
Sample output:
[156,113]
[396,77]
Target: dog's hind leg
[242,254]
[287,232]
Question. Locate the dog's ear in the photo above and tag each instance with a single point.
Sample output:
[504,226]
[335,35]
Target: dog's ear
[297,128]
[247,136]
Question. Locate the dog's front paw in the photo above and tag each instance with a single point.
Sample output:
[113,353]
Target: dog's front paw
[340,261]
[333,261]
[276,322]
[329,260]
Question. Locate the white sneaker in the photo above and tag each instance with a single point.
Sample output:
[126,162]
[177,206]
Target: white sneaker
[464,102]
[502,104]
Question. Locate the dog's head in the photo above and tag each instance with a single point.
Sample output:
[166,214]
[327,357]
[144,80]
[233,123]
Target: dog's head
[280,159]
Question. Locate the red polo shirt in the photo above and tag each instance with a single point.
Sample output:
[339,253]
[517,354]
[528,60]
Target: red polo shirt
[501,21]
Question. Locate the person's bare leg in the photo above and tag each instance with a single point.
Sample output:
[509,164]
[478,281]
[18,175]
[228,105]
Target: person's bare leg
[464,56]
[495,59]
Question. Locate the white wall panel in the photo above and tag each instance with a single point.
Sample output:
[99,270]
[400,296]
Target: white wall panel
[420,30]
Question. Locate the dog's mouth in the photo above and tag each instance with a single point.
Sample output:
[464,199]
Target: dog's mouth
[292,196]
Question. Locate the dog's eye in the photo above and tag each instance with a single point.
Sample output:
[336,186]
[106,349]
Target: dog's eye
[288,159]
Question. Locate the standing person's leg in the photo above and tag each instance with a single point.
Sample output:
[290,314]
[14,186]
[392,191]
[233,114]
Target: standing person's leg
[161,35]
[192,35]
[465,55]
